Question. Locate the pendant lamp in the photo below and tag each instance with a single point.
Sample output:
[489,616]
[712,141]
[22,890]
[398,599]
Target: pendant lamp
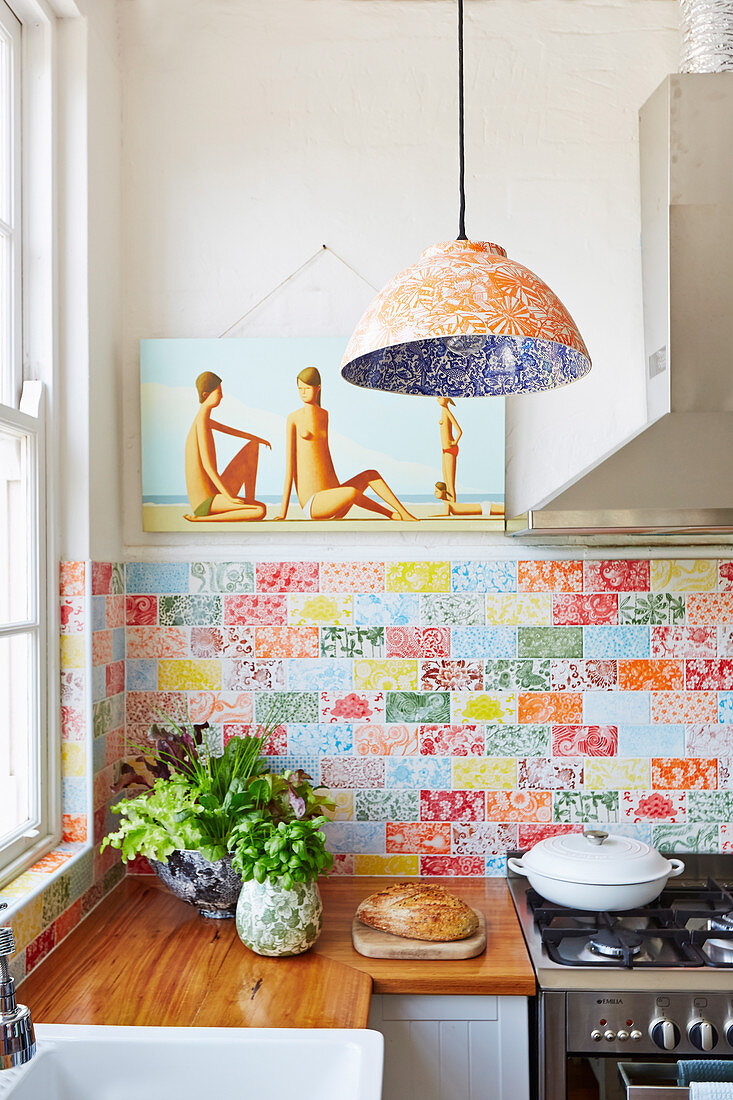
[465,321]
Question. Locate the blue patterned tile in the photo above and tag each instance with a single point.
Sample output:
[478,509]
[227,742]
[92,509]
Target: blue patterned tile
[141,674]
[483,641]
[99,683]
[74,795]
[305,674]
[320,740]
[496,866]
[118,643]
[99,612]
[364,837]
[308,764]
[654,740]
[99,754]
[425,773]
[616,708]
[615,641]
[154,577]
[637,830]
[388,609]
[725,706]
[484,576]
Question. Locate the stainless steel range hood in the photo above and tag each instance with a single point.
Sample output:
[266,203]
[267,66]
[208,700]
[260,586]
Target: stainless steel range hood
[675,476]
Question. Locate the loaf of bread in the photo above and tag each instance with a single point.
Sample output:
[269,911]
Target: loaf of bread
[418,911]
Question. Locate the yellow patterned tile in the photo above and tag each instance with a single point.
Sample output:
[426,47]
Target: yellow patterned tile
[494,773]
[386,865]
[28,921]
[483,706]
[73,758]
[523,608]
[683,575]
[23,884]
[305,609]
[73,651]
[388,674]
[194,675]
[418,576]
[617,774]
[344,809]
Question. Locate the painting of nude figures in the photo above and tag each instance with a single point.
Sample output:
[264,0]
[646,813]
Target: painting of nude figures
[237,433]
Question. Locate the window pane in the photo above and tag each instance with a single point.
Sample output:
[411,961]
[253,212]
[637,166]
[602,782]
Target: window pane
[6,318]
[16,561]
[16,748]
[6,127]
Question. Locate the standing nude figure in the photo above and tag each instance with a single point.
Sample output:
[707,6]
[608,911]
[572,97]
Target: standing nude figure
[215,497]
[449,444]
[308,465]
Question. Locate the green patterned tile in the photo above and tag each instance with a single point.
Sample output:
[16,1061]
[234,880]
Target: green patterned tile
[686,838]
[514,675]
[710,805]
[518,741]
[189,610]
[117,580]
[108,715]
[576,806]
[346,641]
[221,576]
[113,876]
[286,706]
[387,805]
[81,876]
[415,706]
[550,641]
[452,610]
[655,609]
[55,899]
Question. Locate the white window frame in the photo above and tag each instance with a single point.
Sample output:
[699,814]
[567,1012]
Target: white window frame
[23,412]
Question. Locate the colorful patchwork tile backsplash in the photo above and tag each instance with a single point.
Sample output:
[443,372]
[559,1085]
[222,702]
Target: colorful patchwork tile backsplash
[457,709]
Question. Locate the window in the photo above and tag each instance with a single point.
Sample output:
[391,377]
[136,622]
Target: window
[26,788]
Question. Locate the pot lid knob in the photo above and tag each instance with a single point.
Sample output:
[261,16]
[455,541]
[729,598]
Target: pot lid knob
[596,836]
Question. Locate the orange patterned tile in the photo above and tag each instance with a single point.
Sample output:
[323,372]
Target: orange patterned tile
[669,773]
[372,740]
[102,652]
[518,806]
[550,576]
[71,578]
[352,576]
[560,708]
[709,608]
[646,675]
[422,837]
[157,641]
[220,706]
[74,828]
[286,641]
[677,707]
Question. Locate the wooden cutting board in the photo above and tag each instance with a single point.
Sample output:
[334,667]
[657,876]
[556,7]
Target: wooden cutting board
[383,945]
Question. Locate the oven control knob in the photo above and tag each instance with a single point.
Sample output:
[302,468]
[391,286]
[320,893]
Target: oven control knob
[664,1033]
[702,1034]
[609,1036]
[729,1031]
[622,1036]
[596,1035]
[636,1035]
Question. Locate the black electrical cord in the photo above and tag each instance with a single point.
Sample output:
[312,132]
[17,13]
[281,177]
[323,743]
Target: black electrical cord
[461,142]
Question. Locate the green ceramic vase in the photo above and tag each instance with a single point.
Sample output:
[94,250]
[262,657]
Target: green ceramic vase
[274,921]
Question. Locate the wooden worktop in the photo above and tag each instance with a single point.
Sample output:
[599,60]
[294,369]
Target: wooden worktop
[144,958]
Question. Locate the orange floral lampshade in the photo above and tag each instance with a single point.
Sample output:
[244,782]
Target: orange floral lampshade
[465,321]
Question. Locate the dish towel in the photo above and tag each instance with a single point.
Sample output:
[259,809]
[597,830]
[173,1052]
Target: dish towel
[717,1069]
[711,1090]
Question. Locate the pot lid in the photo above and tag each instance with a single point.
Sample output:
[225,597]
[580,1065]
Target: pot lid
[596,858]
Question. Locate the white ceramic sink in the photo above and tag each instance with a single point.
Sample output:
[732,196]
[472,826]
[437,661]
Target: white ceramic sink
[198,1063]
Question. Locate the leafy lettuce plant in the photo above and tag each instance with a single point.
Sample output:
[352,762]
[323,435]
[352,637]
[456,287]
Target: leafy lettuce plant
[159,821]
[282,852]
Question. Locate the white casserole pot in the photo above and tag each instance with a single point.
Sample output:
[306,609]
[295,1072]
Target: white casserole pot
[596,871]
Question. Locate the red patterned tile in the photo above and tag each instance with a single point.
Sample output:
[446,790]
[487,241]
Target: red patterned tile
[550,706]
[452,805]
[576,610]
[141,610]
[534,832]
[616,576]
[652,805]
[352,576]
[683,641]
[457,675]
[451,741]
[71,614]
[710,675]
[114,612]
[156,641]
[68,920]
[218,641]
[287,576]
[256,610]
[725,576]
[139,866]
[590,675]
[102,647]
[670,773]
[276,745]
[352,771]
[584,740]
[550,576]
[73,724]
[101,578]
[550,775]
[114,746]
[343,864]
[709,608]
[415,641]
[352,706]
[423,837]
[451,865]
[145,707]
[646,675]
[115,678]
[74,828]
[483,838]
[520,806]
[40,947]
[71,578]
[709,739]
[286,641]
[91,898]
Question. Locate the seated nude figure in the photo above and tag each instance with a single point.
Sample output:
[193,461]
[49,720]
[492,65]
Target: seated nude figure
[215,497]
[309,465]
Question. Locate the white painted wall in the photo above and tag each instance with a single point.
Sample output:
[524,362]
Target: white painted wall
[255,130]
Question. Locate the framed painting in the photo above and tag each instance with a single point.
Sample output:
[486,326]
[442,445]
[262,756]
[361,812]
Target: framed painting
[242,432]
